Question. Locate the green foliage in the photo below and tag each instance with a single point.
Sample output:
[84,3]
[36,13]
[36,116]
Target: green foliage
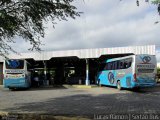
[158,70]
[25,18]
[155,1]
[158,74]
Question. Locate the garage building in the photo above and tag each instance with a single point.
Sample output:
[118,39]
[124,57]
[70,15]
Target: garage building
[74,66]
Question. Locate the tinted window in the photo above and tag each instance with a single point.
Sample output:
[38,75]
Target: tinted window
[109,66]
[115,65]
[127,63]
[119,64]
[14,64]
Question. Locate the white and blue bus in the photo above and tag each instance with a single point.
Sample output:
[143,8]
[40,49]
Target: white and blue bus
[133,71]
[16,74]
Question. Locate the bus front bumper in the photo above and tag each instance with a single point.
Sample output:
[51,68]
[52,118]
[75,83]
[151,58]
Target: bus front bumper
[10,83]
[143,85]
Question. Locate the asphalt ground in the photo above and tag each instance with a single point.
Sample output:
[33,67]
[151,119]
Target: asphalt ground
[80,103]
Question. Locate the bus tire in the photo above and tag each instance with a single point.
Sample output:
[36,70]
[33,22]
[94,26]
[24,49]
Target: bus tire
[119,85]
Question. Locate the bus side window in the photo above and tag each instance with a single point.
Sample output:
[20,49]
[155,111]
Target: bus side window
[118,64]
[109,66]
[127,63]
[114,67]
[121,64]
[130,62]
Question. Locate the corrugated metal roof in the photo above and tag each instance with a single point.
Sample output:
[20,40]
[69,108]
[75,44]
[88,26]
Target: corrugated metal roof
[86,53]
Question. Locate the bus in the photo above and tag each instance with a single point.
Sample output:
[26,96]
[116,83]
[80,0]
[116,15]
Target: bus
[16,74]
[133,71]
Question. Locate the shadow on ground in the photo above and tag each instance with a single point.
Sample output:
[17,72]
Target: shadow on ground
[89,105]
[40,88]
[138,90]
[48,88]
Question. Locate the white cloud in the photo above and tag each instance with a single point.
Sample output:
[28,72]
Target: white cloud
[105,23]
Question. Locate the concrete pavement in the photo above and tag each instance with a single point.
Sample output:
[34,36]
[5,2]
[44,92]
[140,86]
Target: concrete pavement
[82,103]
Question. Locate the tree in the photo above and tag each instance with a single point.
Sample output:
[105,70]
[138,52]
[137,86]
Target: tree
[156,2]
[25,18]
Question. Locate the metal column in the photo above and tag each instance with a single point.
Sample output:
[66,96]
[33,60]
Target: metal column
[87,72]
[45,73]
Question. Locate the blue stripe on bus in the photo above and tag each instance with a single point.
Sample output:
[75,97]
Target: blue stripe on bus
[15,83]
[103,76]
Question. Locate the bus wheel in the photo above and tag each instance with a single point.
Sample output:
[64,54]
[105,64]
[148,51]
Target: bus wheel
[119,85]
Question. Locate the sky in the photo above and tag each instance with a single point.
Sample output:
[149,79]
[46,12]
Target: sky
[103,24]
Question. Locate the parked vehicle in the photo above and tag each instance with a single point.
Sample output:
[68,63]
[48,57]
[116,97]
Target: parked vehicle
[134,71]
[16,74]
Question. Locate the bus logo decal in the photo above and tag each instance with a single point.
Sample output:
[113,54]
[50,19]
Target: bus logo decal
[111,77]
[146,59]
[14,64]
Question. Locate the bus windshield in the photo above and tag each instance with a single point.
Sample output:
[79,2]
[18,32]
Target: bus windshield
[14,64]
